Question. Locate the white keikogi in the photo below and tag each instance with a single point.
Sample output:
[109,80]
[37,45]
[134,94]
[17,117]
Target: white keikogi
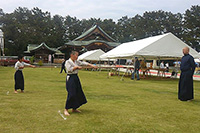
[20,64]
[69,64]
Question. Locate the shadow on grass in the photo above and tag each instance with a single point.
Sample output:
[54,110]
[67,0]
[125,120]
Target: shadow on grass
[107,97]
[154,78]
[85,112]
[195,101]
[160,92]
[56,81]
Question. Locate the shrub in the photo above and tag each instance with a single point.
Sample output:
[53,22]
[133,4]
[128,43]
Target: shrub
[32,59]
[40,63]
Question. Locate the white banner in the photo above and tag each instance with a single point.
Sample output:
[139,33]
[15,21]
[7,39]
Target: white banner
[2,44]
[1,41]
[49,58]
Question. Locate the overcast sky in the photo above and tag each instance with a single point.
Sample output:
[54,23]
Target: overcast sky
[104,9]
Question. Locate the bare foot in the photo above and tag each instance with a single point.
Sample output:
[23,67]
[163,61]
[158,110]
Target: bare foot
[16,92]
[75,110]
[66,113]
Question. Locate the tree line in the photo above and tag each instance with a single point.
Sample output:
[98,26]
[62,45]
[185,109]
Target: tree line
[24,26]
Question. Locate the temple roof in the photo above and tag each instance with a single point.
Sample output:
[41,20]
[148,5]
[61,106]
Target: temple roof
[84,43]
[35,47]
[90,31]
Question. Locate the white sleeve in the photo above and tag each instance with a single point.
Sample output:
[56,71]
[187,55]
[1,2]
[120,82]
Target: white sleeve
[26,64]
[16,65]
[69,66]
[82,63]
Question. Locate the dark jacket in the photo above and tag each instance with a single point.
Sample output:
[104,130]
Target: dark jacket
[137,65]
[187,63]
[63,64]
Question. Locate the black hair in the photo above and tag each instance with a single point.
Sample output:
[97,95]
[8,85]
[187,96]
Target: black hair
[20,57]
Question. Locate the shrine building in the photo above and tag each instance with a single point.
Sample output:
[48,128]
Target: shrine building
[94,38]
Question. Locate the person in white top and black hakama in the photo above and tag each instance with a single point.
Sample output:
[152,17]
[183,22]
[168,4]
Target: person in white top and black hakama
[19,78]
[75,97]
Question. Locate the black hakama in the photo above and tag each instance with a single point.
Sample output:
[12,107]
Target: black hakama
[75,97]
[185,89]
[19,80]
[186,86]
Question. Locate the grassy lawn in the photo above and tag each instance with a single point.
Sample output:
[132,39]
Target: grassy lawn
[148,105]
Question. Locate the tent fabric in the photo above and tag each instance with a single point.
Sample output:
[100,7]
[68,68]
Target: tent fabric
[161,46]
[92,55]
[197,60]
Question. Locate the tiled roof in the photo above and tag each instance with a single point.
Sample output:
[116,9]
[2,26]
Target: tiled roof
[92,29]
[33,47]
[84,43]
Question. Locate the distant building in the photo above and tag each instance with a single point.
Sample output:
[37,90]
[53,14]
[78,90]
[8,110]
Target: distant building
[94,38]
[44,53]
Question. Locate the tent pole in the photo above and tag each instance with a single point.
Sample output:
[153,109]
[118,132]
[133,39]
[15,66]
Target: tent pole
[133,67]
[177,68]
[126,71]
[158,74]
[99,65]
[109,71]
[119,67]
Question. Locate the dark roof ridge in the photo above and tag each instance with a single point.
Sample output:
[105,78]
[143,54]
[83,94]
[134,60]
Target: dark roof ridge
[91,30]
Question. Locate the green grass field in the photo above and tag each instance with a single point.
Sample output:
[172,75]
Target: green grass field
[148,105]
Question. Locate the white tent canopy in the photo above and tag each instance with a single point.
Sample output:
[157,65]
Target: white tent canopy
[92,55]
[197,60]
[161,46]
